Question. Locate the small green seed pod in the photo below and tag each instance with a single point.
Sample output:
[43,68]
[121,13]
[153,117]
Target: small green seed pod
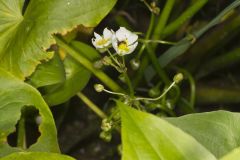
[178,78]
[98,87]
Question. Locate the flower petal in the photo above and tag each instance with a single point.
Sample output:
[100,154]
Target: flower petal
[107,34]
[115,43]
[132,48]
[132,38]
[97,36]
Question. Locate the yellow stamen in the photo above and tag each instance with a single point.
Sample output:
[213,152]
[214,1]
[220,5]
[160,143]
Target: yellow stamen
[102,42]
[123,46]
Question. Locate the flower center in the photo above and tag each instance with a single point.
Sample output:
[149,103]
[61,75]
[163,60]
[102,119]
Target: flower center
[102,42]
[123,46]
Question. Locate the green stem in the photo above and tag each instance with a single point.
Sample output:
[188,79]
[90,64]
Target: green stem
[156,41]
[188,14]
[129,83]
[192,86]
[21,137]
[157,98]
[163,19]
[88,65]
[149,31]
[91,105]
[162,74]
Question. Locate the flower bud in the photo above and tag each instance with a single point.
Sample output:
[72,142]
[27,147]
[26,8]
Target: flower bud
[107,136]
[122,78]
[106,60]
[98,87]
[106,125]
[135,63]
[178,78]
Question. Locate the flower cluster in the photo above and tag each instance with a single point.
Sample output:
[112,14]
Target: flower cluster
[123,41]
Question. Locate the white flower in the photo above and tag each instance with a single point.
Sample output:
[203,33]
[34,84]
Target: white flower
[124,41]
[102,43]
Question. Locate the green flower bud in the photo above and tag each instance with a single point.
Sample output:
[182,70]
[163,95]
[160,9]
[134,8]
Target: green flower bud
[135,64]
[99,87]
[122,78]
[106,60]
[178,78]
[106,136]
[106,125]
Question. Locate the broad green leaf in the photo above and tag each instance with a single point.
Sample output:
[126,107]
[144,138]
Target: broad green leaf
[24,38]
[15,94]
[218,131]
[48,73]
[233,155]
[36,156]
[145,136]
[77,76]
[76,79]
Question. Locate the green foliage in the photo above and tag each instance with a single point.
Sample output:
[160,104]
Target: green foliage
[14,95]
[217,131]
[25,37]
[49,73]
[233,155]
[145,136]
[36,156]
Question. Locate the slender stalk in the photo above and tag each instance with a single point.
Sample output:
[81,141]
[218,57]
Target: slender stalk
[157,98]
[192,86]
[157,41]
[162,74]
[21,137]
[88,65]
[115,93]
[149,31]
[129,83]
[91,105]
[114,59]
[163,19]
[188,14]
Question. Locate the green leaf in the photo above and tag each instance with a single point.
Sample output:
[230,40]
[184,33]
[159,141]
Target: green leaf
[14,95]
[77,76]
[24,38]
[36,156]
[218,131]
[145,136]
[233,155]
[48,73]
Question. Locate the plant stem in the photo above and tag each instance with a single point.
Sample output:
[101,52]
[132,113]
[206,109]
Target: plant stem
[21,137]
[129,83]
[162,95]
[162,74]
[192,86]
[188,14]
[149,31]
[163,19]
[88,65]
[91,105]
